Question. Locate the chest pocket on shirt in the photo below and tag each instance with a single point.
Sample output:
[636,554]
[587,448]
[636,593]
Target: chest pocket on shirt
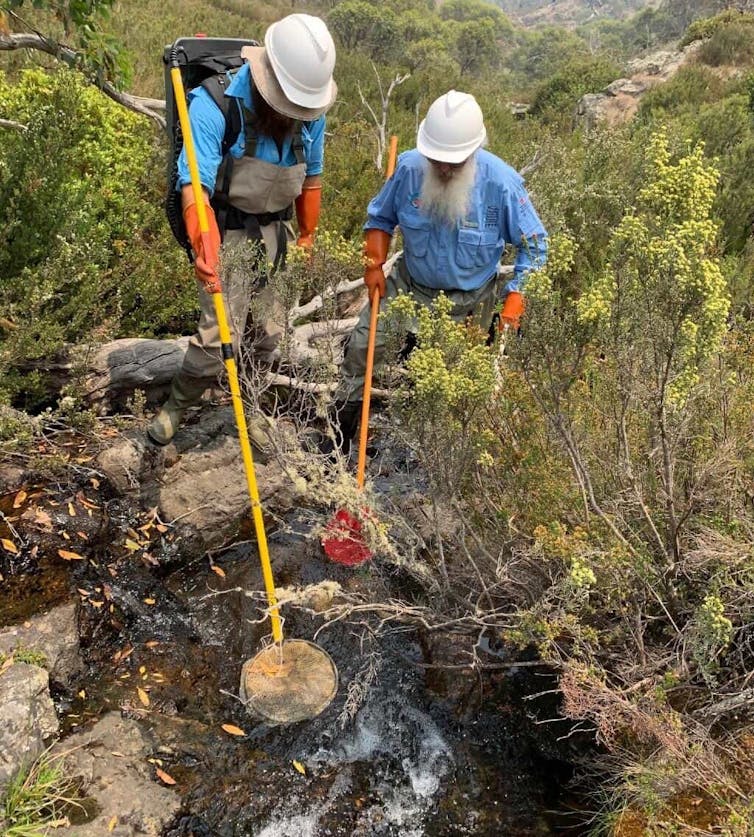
[415,236]
[476,248]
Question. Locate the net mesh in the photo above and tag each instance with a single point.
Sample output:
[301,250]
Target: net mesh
[291,682]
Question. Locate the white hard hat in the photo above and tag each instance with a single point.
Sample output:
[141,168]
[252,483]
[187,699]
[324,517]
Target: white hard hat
[301,52]
[453,128]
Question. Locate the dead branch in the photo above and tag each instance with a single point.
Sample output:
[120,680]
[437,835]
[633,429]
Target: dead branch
[380,122]
[16,126]
[741,702]
[12,41]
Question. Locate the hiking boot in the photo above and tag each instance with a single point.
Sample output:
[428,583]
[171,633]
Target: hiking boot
[259,427]
[185,392]
[344,419]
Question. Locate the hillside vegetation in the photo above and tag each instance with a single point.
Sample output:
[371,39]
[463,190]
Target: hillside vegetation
[604,492]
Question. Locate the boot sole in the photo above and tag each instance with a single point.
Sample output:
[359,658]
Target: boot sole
[157,442]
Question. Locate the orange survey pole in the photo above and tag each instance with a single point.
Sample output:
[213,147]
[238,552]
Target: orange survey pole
[227,352]
[375,310]
[392,154]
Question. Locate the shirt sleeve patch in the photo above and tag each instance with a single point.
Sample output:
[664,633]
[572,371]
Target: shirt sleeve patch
[492,216]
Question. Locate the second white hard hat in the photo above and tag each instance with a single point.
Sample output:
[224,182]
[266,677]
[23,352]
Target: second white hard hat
[453,128]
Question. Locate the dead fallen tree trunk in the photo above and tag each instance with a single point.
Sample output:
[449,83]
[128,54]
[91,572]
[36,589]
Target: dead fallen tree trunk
[112,372]
[123,366]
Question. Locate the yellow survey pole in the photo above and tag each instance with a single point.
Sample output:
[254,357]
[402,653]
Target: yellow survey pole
[227,353]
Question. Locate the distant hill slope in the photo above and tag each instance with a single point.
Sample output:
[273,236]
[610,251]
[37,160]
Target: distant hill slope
[570,12]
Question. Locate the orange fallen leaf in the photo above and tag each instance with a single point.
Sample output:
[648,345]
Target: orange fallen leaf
[94,481]
[153,643]
[41,518]
[9,546]
[95,604]
[161,528]
[149,601]
[70,556]
[85,501]
[143,696]
[18,501]
[166,777]
[232,730]
[219,570]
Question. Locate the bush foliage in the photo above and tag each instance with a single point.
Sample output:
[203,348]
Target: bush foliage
[601,481]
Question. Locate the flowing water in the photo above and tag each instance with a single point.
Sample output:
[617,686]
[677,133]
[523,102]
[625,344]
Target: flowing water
[395,755]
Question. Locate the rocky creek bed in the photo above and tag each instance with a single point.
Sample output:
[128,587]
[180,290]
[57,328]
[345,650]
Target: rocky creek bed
[135,573]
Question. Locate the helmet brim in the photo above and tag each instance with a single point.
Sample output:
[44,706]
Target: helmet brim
[269,88]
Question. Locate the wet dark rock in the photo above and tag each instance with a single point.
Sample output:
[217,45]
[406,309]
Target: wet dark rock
[165,629]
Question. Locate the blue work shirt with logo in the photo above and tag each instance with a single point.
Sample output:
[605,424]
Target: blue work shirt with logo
[466,255]
[208,130]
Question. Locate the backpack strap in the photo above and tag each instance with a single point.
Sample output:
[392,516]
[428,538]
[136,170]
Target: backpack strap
[298,144]
[216,86]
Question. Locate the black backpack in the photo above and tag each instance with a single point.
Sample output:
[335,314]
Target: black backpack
[205,62]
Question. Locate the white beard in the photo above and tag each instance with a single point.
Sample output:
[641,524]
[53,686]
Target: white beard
[448,201]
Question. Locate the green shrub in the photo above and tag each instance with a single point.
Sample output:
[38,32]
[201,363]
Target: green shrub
[731,44]
[87,254]
[707,27]
[691,87]
[558,96]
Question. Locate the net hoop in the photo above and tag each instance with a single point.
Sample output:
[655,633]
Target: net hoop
[283,684]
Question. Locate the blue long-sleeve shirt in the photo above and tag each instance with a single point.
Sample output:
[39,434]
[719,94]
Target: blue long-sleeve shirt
[208,129]
[466,255]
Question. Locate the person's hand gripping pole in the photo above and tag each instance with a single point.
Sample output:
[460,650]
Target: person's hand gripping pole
[209,253]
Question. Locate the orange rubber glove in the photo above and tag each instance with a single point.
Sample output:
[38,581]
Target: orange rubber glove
[307,214]
[513,310]
[376,243]
[206,271]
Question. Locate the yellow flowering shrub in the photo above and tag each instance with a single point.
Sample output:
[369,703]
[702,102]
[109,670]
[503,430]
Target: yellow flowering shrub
[663,287]
[450,379]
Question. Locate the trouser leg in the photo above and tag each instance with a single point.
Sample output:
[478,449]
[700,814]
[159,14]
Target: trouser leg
[203,358]
[352,371]
[475,307]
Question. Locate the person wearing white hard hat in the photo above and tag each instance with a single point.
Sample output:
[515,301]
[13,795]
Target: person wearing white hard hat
[282,92]
[457,206]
